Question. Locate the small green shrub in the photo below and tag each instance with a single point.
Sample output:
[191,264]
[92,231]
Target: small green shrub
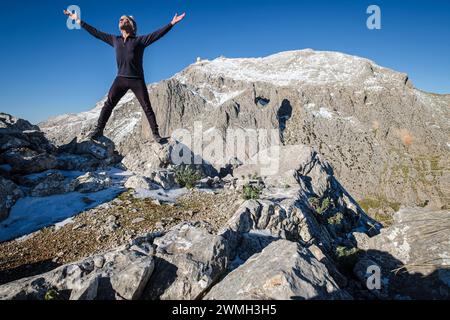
[187,177]
[51,294]
[424,204]
[347,257]
[336,219]
[320,207]
[251,192]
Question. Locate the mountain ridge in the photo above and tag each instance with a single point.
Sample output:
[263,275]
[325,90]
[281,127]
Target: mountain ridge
[370,121]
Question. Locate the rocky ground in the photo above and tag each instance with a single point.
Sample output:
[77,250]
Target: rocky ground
[110,225]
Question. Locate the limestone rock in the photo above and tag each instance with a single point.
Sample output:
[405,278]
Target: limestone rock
[26,160]
[122,275]
[101,149]
[53,183]
[92,182]
[9,193]
[188,260]
[140,182]
[282,271]
[412,255]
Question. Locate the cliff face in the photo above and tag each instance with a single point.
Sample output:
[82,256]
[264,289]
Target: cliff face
[386,140]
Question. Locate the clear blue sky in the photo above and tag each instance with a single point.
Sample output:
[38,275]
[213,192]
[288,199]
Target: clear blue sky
[47,69]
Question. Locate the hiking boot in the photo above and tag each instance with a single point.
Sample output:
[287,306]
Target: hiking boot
[158,139]
[95,134]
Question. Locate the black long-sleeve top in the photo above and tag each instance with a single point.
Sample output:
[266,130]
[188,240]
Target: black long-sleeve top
[129,53]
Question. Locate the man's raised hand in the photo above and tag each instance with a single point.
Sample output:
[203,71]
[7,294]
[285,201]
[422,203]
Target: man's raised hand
[73,16]
[177,18]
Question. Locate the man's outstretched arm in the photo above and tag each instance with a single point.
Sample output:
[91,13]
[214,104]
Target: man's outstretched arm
[105,37]
[158,34]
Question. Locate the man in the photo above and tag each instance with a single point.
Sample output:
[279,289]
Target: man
[129,55]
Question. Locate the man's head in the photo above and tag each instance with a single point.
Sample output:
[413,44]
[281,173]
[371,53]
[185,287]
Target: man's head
[128,24]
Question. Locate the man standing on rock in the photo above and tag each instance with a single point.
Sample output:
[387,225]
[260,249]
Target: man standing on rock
[129,55]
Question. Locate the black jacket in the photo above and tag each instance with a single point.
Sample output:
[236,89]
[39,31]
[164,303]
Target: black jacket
[129,53]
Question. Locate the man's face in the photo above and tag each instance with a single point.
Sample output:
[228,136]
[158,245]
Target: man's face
[125,24]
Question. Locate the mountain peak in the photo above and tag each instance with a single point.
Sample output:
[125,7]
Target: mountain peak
[300,67]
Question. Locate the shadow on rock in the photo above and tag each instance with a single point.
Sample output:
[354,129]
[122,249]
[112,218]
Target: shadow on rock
[400,281]
[163,277]
[27,270]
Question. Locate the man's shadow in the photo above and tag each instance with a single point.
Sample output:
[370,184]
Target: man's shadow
[400,281]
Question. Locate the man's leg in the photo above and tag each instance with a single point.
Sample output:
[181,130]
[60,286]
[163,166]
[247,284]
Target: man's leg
[140,90]
[116,92]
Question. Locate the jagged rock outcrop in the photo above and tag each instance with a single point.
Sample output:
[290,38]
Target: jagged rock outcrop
[288,242]
[386,140]
[23,147]
[189,259]
[24,150]
[140,182]
[118,274]
[284,245]
[30,165]
[9,193]
[299,275]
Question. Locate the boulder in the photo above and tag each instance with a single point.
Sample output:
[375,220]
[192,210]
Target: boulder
[25,160]
[282,271]
[148,158]
[139,182]
[9,193]
[165,178]
[189,260]
[92,182]
[151,157]
[121,273]
[101,149]
[10,124]
[53,183]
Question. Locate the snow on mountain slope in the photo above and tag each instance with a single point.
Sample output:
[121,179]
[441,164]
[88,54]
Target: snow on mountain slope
[299,67]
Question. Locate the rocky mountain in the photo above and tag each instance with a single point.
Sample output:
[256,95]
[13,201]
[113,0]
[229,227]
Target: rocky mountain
[386,140]
[123,218]
[303,237]
[300,234]
[30,165]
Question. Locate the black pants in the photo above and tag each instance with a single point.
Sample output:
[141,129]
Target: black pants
[118,89]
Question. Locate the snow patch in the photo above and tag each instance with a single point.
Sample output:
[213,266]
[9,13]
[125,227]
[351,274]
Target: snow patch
[61,224]
[323,113]
[31,214]
[294,67]
[160,194]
